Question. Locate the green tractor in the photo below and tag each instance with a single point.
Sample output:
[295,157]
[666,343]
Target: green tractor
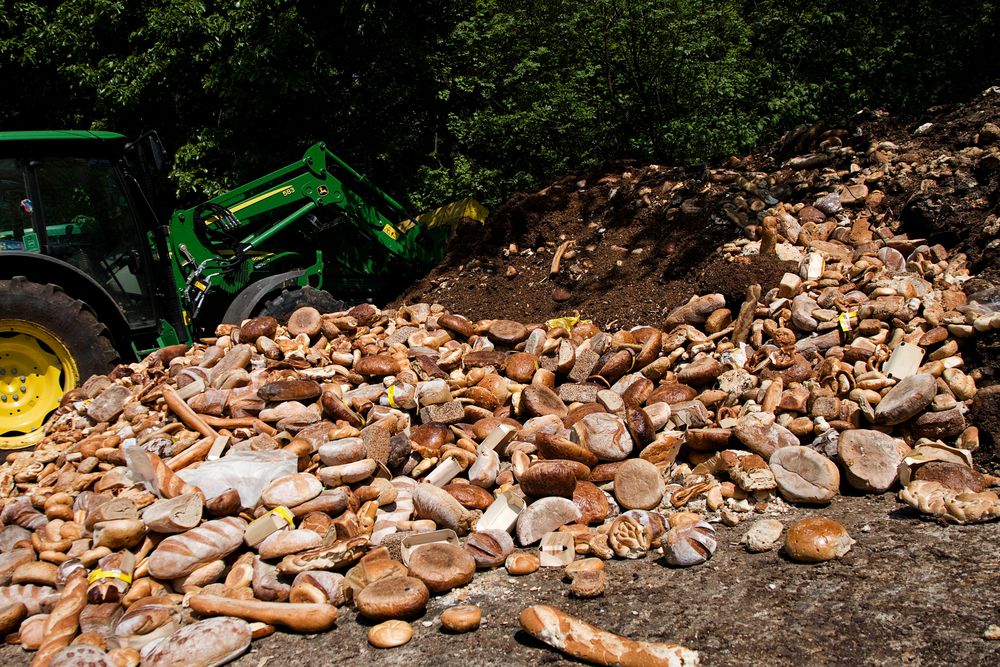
[90,275]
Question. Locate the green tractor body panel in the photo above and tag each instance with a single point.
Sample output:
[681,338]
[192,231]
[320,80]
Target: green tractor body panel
[317,212]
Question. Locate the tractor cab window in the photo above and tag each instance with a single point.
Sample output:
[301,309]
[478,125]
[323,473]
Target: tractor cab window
[15,206]
[89,224]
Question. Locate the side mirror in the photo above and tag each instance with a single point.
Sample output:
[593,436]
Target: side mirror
[134,262]
[156,156]
[148,151]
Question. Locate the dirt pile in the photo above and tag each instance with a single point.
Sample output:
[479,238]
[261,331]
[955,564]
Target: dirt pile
[643,239]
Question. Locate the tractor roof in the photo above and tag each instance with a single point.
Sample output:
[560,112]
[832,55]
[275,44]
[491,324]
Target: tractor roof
[61,135]
[71,143]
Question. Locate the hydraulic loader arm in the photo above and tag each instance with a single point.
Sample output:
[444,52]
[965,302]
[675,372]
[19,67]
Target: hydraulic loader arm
[218,238]
[319,179]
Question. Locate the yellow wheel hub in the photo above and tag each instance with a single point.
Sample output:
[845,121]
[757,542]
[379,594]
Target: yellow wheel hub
[36,369]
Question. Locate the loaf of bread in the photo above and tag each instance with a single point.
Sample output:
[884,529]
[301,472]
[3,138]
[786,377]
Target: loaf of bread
[180,555]
[600,647]
[63,622]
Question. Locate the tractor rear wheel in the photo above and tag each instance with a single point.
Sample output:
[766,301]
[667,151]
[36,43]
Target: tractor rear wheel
[49,343]
[286,303]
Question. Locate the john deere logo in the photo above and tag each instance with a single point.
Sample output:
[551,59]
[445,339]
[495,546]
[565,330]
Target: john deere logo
[323,190]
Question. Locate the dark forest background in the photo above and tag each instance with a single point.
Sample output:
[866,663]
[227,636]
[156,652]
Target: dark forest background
[436,99]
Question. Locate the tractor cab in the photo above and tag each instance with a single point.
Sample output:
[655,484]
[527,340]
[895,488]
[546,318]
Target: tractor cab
[65,196]
[78,213]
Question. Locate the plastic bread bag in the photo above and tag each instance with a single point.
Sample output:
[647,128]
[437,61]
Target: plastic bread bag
[247,472]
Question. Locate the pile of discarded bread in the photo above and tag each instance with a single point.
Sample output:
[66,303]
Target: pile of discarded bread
[188,503]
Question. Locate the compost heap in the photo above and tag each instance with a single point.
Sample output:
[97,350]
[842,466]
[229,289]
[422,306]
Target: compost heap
[183,505]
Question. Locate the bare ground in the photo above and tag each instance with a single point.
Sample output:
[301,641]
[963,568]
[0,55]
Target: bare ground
[910,592]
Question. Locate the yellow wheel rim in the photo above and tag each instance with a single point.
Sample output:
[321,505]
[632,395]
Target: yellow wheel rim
[36,369]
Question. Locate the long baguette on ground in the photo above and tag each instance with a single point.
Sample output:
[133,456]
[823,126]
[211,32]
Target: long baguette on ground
[588,642]
[301,617]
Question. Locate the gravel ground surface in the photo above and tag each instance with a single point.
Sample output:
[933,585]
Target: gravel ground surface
[910,592]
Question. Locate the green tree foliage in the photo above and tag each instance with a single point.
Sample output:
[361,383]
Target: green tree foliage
[538,88]
[825,58]
[235,87]
[438,99]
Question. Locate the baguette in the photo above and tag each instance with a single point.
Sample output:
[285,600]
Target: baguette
[38,599]
[584,641]
[301,617]
[63,622]
[186,414]
[168,484]
[180,555]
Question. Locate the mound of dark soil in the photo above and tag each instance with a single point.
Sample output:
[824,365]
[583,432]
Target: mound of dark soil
[642,239]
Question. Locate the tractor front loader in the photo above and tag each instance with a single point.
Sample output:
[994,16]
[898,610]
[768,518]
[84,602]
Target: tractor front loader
[91,275]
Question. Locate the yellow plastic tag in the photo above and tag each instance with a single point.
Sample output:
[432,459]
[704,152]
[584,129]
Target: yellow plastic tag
[389,231]
[391,394]
[266,524]
[566,323]
[845,320]
[285,514]
[98,574]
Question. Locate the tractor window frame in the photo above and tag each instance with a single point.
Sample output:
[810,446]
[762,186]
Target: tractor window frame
[12,207]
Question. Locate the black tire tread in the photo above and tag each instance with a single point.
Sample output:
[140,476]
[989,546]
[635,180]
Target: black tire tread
[286,303]
[71,320]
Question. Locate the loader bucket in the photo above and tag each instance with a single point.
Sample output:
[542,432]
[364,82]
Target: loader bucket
[467,209]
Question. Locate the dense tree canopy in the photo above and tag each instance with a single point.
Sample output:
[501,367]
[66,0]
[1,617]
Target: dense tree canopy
[440,98]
